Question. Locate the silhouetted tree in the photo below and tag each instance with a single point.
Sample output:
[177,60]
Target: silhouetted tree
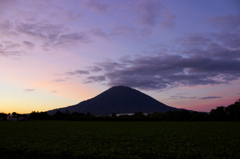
[39,115]
[233,112]
[34,115]
[67,114]
[3,116]
[156,115]
[59,115]
[88,114]
[139,115]
[114,115]
[220,113]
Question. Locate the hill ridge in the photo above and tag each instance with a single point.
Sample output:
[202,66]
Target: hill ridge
[119,100]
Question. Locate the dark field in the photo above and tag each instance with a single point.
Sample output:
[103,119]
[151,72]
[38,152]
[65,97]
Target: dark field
[77,139]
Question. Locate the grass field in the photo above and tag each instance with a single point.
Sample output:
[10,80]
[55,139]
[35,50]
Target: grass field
[77,139]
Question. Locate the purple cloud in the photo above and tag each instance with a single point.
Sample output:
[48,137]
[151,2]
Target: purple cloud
[195,40]
[96,6]
[81,72]
[72,16]
[78,72]
[229,22]
[167,19]
[98,32]
[9,48]
[148,12]
[11,45]
[51,35]
[91,79]
[151,12]
[95,69]
[40,30]
[212,64]
[69,39]
[210,97]
[28,44]
[181,97]
[123,30]
[6,27]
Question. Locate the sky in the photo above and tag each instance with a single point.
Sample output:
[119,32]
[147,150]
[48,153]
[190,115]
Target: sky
[57,53]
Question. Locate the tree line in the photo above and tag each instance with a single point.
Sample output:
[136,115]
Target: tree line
[3,116]
[229,113]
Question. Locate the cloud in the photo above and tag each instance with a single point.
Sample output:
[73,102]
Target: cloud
[95,69]
[72,15]
[218,45]
[96,6]
[167,19]
[129,31]
[231,40]
[28,44]
[98,32]
[78,72]
[203,59]
[181,97]
[11,45]
[81,72]
[70,39]
[151,12]
[10,53]
[59,80]
[216,63]
[145,32]
[29,90]
[7,28]
[91,79]
[42,30]
[210,97]
[9,48]
[238,93]
[50,35]
[229,22]
[195,40]
[123,30]
[148,12]
[166,71]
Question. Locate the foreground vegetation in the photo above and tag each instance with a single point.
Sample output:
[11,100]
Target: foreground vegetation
[96,139]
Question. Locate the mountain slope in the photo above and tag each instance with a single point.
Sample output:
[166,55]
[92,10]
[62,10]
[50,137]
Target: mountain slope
[118,99]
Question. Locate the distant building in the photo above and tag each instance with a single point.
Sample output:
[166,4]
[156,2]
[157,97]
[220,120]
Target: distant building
[12,117]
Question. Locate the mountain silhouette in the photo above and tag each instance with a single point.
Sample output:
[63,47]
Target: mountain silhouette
[119,100]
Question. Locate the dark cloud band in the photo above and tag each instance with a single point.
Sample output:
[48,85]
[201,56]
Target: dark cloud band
[210,97]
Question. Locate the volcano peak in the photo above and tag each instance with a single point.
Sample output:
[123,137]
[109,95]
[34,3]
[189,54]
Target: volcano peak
[119,100]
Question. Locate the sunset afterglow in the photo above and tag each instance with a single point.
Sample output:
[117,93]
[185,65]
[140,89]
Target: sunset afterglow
[57,53]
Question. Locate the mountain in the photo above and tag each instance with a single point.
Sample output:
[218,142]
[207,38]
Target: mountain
[120,100]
